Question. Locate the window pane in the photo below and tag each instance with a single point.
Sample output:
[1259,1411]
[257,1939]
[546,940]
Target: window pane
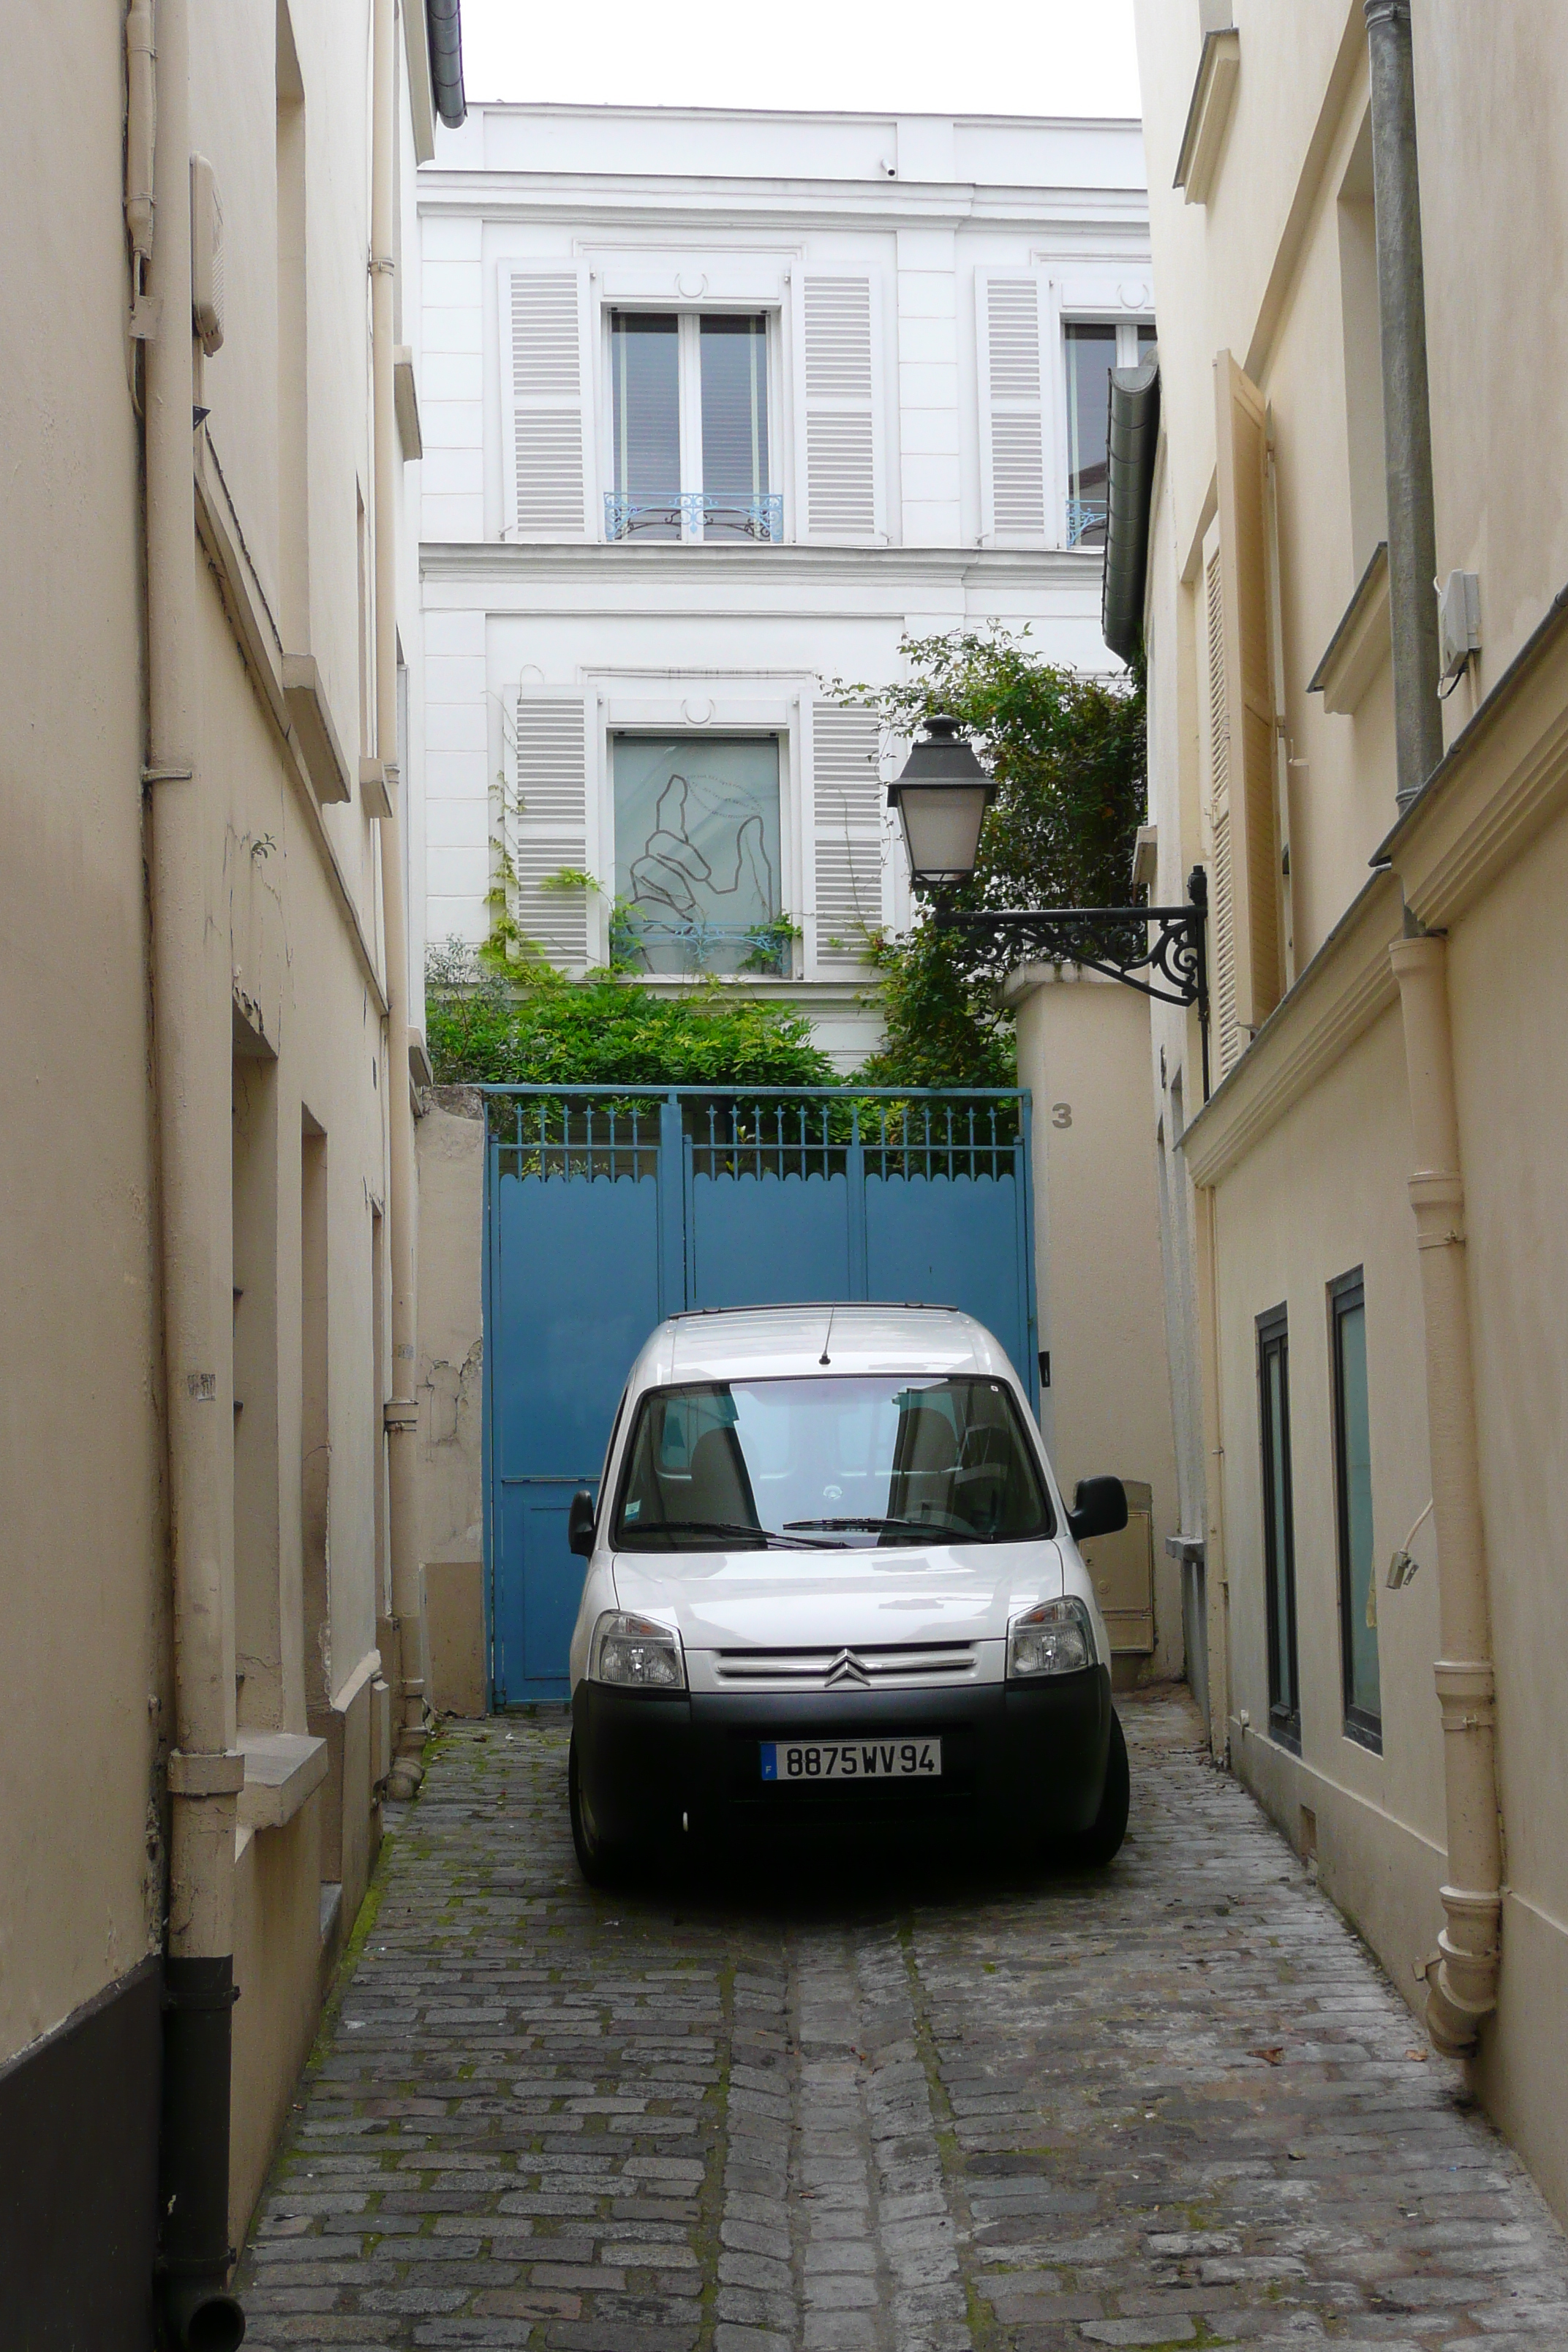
[646,417]
[734,427]
[1362,1686]
[909,1460]
[697,854]
[1279,1535]
[1284,1692]
[1090,356]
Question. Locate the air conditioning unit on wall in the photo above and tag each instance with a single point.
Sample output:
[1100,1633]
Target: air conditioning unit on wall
[206,256]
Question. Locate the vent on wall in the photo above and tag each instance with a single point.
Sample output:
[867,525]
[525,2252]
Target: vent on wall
[206,256]
[548,832]
[848,795]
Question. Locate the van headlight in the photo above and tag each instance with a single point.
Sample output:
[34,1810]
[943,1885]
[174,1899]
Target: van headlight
[1056,1638]
[634,1654]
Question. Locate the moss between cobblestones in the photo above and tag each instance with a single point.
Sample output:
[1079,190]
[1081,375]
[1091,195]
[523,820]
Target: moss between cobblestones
[984,2330]
[705,2237]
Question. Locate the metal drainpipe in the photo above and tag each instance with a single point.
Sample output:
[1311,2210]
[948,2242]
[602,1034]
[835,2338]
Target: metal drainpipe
[1462,1977]
[402,1414]
[1407,415]
[192,1051]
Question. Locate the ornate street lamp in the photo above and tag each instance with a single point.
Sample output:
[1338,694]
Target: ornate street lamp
[941,798]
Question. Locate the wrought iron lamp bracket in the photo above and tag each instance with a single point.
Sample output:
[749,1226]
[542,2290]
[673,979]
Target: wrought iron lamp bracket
[1159,950]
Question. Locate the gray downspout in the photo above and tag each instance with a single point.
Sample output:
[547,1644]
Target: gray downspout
[446,25]
[1132,437]
[1407,420]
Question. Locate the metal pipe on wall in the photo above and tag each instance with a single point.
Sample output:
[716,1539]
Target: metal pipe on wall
[401,1413]
[192,1051]
[1462,1977]
[1407,414]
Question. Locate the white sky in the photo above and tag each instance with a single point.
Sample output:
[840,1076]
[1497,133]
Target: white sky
[963,56]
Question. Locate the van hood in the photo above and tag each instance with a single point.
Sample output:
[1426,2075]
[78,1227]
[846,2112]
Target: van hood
[835,1600]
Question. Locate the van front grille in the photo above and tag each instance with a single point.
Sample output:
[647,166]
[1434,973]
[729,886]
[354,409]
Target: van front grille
[869,1666]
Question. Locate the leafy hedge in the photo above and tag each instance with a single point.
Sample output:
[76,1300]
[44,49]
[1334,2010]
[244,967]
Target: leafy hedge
[540,1029]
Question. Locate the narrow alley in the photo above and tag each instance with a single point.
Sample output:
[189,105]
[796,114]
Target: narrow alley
[921,2109]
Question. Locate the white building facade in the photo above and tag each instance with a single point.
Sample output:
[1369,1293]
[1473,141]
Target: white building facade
[716,408]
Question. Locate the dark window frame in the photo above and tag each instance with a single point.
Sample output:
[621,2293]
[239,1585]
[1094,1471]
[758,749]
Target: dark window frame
[1284,1697]
[1346,1293]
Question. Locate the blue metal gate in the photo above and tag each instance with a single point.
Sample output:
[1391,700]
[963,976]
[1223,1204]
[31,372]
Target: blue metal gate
[606,1210]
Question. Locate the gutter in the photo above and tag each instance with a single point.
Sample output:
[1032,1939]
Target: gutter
[1406,409]
[446,24]
[1133,439]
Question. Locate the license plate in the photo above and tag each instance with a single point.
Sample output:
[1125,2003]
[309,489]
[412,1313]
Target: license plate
[851,1759]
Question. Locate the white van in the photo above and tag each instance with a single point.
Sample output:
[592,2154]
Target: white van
[832,1584]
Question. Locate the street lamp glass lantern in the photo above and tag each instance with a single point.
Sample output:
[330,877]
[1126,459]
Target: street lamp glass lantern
[941,798]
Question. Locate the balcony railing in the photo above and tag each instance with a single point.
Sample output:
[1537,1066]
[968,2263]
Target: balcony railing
[696,514]
[641,942]
[1084,516]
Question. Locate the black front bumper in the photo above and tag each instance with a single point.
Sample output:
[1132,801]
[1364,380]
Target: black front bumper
[1019,1761]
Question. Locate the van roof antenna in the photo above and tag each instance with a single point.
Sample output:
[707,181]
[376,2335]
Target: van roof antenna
[824,1358]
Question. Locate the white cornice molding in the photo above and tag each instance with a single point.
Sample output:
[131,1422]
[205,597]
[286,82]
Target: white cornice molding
[515,199]
[496,560]
[1346,987]
[880,118]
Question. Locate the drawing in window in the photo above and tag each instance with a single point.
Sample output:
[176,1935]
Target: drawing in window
[696,854]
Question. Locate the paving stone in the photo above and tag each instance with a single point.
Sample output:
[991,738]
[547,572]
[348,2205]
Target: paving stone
[898,2106]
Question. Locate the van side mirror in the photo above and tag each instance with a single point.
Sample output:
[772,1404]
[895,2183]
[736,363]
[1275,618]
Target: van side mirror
[1098,1508]
[580,1523]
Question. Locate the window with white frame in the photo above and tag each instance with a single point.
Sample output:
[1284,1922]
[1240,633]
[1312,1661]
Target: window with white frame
[1091,350]
[689,421]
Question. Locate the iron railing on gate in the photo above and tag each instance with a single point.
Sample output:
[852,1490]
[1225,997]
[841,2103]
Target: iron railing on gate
[616,1132]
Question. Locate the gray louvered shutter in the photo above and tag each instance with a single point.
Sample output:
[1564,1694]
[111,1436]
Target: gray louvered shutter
[548,827]
[839,369]
[846,792]
[1012,408]
[545,403]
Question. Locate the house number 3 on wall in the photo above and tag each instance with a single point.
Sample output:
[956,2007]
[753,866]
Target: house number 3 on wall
[1061,1113]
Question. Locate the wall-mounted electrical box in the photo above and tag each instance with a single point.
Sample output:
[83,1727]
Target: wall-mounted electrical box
[1458,622]
[206,256]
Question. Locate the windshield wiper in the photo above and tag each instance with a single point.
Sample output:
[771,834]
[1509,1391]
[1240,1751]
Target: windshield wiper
[765,1536]
[876,1527]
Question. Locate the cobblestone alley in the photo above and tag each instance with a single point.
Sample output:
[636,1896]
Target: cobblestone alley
[1177,2105]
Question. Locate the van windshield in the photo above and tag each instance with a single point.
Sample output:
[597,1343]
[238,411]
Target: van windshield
[841,1463]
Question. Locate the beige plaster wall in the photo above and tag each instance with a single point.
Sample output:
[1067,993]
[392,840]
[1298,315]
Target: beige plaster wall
[1318,1186]
[450,1144]
[1491,95]
[1514,1136]
[84,1570]
[80,1496]
[1298,1212]
[277,1939]
[1083,1051]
